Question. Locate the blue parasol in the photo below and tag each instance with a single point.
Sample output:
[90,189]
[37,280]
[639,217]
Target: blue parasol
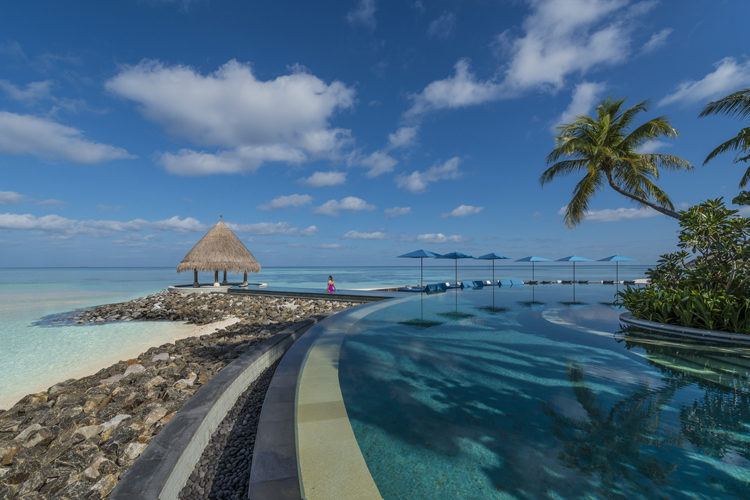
[493,257]
[455,256]
[533,259]
[616,259]
[419,254]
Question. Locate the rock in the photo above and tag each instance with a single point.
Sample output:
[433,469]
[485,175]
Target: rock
[185,382]
[42,437]
[87,432]
[115,421]
[162,356]
[111,380]
[92,471]
[24,434]
[105,485]
[7,453]
[154,416]
[157,381]
[135,368]
[131,452]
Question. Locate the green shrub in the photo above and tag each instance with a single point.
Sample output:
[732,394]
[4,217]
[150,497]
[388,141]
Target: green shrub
[711,291]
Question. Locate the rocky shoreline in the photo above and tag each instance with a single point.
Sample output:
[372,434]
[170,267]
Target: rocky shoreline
[76,439]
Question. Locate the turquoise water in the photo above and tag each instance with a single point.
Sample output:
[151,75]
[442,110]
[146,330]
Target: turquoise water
[34,357]
[542,396]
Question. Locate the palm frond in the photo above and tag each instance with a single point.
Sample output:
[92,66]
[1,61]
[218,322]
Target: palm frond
[737,103]
[668,162]
[745,178]
[652,129]
[560,168]
[582,195]
[630,113]
[740,142]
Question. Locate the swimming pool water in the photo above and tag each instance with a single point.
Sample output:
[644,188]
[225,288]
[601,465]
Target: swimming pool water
[542,396]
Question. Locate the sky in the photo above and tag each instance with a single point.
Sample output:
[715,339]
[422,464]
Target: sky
[345,132]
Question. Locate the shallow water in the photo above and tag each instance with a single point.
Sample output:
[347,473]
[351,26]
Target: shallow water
[528,393]
[34,357]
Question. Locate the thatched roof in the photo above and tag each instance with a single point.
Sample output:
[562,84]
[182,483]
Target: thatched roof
[219,249]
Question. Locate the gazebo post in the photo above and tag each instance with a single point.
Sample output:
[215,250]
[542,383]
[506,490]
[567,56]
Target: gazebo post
[224,281]
[244,279]
[195,278]
[216,277]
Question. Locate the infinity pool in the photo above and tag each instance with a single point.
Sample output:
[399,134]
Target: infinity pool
[532,393]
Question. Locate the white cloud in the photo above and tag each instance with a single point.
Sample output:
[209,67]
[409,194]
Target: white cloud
[417,181]
[11,198]
[615,214]
[263,228]
[585,96]
[657,40]
[321,179]
[97,228]
[186,225]
[744,211]
[358,235]
[559,38]
[463,211]
[43,138]
[443,26]
[252,121]
[329,245]
[309,231]
[378,163]
[457,91]
[242,159]
[290,200]
[350,203]
[653,147]
[562,37]
[363,14]
[34,91]
[396,211]
[728,76]
[439,238]
[404,136]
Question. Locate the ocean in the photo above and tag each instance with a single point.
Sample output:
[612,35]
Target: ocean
[35,355]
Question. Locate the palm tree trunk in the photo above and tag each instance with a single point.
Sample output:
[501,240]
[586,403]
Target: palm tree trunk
[659,209]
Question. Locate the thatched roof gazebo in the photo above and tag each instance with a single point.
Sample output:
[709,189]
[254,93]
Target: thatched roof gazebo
[220,248]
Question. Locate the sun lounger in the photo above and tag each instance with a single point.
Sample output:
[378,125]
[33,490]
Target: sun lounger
[548,282]
[504,283]
[412,289]
[516,282]
[628,282]
[436,288]
[608,282]
[478,283]
[533,282]
[583,282]
[567,282]
[458,284]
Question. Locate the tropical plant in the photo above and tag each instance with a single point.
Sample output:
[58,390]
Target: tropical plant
[737,104]
[710,291]
[605,148]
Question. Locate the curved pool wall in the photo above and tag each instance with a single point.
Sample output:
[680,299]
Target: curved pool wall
[520,393]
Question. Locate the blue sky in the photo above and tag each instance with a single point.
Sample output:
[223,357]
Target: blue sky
[346,132]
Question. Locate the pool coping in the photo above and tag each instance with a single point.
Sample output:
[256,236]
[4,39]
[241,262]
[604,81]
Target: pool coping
[276,471]
[686,332]
[163,469]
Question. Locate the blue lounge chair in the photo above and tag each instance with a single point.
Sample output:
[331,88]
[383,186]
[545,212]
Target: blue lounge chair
[478,283]
[436,288]
[504,283]
[411,289]
[516,282]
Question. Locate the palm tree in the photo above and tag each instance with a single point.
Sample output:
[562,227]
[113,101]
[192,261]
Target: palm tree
[733,104]
[605,149]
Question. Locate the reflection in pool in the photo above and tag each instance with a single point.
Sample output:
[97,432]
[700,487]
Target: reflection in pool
[470,395]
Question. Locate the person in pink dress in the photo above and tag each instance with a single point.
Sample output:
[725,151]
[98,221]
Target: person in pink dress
[331,285]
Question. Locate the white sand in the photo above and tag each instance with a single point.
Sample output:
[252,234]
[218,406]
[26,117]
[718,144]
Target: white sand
[124,352]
